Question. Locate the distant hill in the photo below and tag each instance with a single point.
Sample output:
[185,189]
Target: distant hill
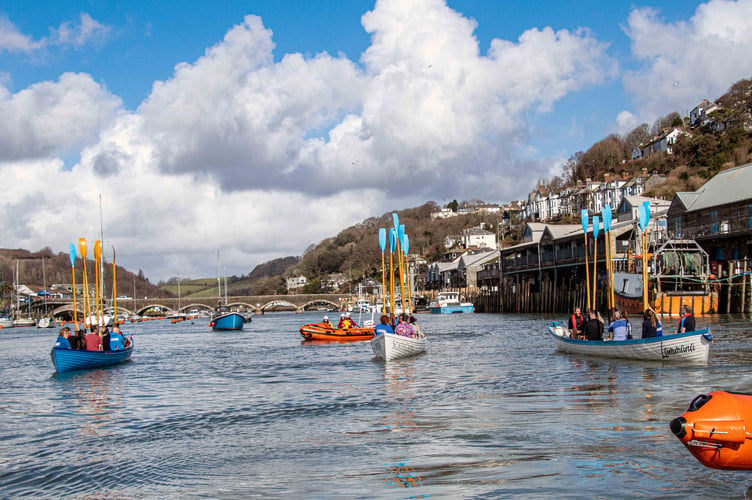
[274,267]
[36,268]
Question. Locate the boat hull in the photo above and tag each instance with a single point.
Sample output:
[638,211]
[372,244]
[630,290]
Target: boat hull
[715,430]
[390,346]
[6,323]
[66,360]
[321,331]
[46,323]
[452,309]
[229,321]
[690,347]
[24,322]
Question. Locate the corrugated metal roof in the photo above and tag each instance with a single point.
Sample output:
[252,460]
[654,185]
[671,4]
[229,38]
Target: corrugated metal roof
[729,186]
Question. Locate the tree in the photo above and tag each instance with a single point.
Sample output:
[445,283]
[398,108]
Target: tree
[453,205]
[639,135]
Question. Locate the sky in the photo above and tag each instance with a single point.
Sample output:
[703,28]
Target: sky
[260,128]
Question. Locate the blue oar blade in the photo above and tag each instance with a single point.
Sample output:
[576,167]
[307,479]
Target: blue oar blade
[596,226]
[584,219]
[646,204]
[405,244]
[643,220]
[382,239]
[392,240]
[607,215]
[395,218]
[72,249]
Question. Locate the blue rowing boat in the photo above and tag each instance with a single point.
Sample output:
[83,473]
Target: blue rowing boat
[228,321]
[66,360]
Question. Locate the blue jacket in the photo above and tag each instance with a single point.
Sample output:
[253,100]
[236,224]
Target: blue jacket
[62,342]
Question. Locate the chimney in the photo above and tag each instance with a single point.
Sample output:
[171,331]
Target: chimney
[644,171]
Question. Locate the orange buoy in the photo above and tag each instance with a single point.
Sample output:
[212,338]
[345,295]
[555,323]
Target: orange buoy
[714,430]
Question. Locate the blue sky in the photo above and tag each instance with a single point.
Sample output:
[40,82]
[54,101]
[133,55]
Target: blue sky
[262,127]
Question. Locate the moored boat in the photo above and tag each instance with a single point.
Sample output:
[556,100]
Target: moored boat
[324,331]
[450,303]
[66,360]
[715,430]
[24,322]
[227,321]
[46,322]
[689,347]
[390,346]
[6,322]
[679,274]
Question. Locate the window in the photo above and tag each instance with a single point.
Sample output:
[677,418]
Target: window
[713,222]
[749,215]
[677,229]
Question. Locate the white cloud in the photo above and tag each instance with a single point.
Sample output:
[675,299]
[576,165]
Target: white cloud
[685,62]
[12,40]
[88,30]
[52,118]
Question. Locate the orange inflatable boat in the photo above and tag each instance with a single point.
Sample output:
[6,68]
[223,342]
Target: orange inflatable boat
[323,331]
[714,430]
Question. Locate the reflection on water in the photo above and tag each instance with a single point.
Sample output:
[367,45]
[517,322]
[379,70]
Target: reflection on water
[400,388]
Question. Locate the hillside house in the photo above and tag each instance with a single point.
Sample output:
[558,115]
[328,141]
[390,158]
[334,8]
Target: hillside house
[699,115]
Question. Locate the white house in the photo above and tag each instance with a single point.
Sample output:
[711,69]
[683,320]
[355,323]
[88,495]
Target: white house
[477,237]
[296,283]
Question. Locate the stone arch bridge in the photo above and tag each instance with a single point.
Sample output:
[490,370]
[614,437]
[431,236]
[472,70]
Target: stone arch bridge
[257,304]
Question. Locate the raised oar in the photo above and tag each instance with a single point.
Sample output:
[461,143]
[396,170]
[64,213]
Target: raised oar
[114,288]
[405,248]
[607,214]
[644,212]
[382,245]
[400,259]
[596,228]
[87,304]
[584,219]
[72,249]
[98,292]
[392,248]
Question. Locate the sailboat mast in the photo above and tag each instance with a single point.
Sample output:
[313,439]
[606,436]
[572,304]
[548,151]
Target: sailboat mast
[219,283]
[101,256]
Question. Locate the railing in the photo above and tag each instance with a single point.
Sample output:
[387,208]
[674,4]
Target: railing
[727,226]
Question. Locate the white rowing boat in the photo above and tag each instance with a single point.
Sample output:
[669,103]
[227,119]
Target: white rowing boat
[389,346]
[689,347]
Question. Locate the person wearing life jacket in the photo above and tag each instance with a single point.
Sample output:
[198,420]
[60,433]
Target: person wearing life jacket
[687,322]
[341,323]
[353,324]
[576,324]
[327,322]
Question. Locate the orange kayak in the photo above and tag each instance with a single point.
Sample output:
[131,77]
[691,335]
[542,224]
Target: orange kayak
[322,331]
[716,430]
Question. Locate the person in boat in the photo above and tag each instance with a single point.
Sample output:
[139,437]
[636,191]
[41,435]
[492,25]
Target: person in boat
[576,324]
[403,326]
[651,327]
[79,342]
[593,326]
[630,333]
[62,339]
[353,324]
[414,324]
[93,340]
[618,328]
[106,337]
[117,341]
[384,326]
[74,340]
[327,322]
[687,322]
[341,323]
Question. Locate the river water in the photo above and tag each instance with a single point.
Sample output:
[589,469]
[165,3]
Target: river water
[489,411]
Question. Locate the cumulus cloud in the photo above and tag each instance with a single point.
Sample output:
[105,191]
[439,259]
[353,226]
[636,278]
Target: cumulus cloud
[52,118]
[681,63]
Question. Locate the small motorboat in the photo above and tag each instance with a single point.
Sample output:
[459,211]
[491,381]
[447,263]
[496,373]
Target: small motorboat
[450,303]
[714,430]
[66,360]
[689,347]
[325,331]
[227,321]
[389,346]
